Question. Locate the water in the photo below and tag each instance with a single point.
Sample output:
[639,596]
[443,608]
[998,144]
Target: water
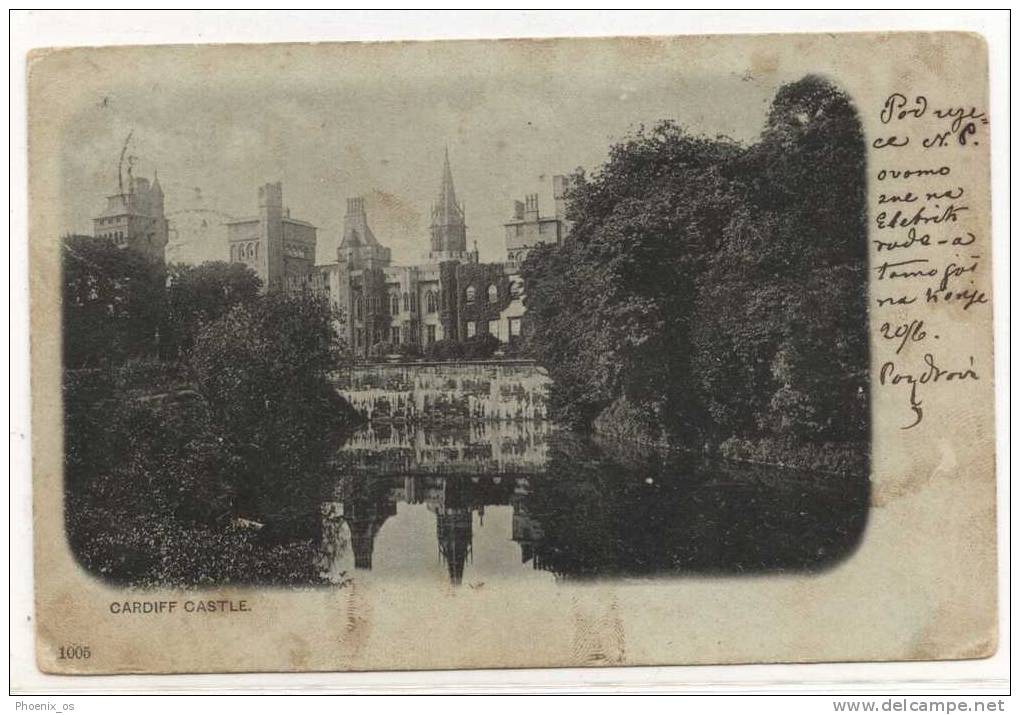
[484,501]
[443,392]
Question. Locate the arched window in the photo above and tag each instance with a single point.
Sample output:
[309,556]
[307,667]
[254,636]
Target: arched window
[407,301]
[431,302]
[469,294]
[395,303]
[493,293]
[359,307]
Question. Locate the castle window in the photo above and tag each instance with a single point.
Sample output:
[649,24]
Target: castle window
[431,302]
[471,328]
[494,328]
[515,327]
[395,303]
[469,294]
[359,308]
[395,335]
[430,333]
[407,301]
[516,285]
[493,293]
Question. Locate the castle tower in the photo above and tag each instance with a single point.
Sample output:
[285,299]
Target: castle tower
[358,248]
[449,232]
[136,220]
[270,258]
[280,249]
[528,227]
[453,531]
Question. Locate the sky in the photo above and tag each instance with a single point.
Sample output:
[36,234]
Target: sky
[333,121]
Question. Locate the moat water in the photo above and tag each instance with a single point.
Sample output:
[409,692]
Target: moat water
[484,500]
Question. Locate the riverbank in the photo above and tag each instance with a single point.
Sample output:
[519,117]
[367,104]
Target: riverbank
[640,424]
[158,494]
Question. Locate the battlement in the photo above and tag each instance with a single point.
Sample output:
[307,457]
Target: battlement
[271,196]
[356,206]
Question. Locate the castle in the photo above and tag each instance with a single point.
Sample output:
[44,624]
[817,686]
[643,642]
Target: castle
[136,218]
[450,295]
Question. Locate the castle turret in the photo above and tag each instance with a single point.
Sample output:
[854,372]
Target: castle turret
[358,247]
[448,228]
[279,248]
[527,227]
[136,220]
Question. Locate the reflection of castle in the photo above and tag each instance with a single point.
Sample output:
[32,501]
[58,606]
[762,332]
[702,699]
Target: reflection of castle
[453,500]
[527,531]
[456,472]
[470,448]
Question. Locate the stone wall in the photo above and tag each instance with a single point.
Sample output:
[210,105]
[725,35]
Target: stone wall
[446,392]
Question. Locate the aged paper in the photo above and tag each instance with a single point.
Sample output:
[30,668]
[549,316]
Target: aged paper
[600,390]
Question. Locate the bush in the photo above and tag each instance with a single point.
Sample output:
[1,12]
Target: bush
[264,370]
[481,347]
[444,350]
[379,351]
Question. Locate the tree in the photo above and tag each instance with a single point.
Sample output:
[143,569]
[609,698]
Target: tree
[715,287]
[263,368]
[610,308]
[112,301]
[199,294]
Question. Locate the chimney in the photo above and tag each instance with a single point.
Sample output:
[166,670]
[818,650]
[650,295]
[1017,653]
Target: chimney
[518,210]
[561,185]
[531,207]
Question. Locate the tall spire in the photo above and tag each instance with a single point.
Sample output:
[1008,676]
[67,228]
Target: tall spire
[448,230]
[448,211]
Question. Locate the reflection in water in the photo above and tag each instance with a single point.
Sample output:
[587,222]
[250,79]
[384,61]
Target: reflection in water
[425,393]
[522,500]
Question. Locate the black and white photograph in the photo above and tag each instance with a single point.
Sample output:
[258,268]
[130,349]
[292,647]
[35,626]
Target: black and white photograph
[512,353]
[299,351]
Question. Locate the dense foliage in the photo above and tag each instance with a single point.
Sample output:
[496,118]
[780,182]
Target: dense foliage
[208,464]
[199,294]
[263,370]
[710,290]
[113,302]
